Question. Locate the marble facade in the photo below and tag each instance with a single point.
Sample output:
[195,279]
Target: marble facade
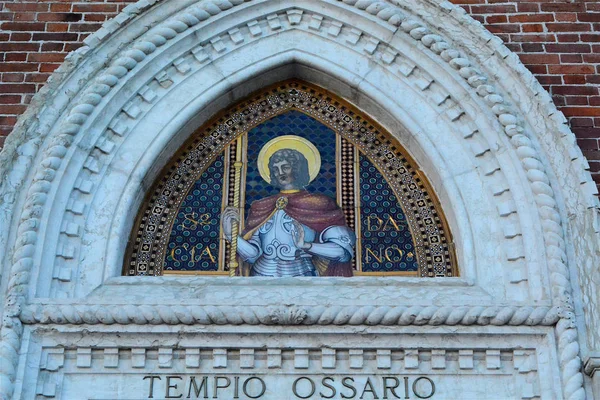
[521,321]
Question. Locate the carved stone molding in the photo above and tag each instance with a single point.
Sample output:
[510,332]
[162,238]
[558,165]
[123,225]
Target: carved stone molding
[288,315]
[37,150]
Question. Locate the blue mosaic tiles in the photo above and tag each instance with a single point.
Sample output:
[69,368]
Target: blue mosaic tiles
[194,240]
[387,244]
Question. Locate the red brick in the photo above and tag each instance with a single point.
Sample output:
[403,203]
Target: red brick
[549,79]
[39,77]
[493,9]
[12,108]
[592,6]
[566,17]
[55,37]
[539,58]
[20,37]
[589,17]
[22,17]
[568,27]
[13,57]
[532,28]
[12,77]
[533,38]
[575,79]
[7,120]
[575,90]
[571,69]
[52,46]
[563,7]
[571,58]
[537,69]
[18,67]
[588,144]
[20,6]
[46,57]
[57,27]
[504,28]
[576,101]
[581,111]
[95,17]
[83,27]
[568,48]
[60,7]
[531,18]
[532,47]
[592,79]
[514,47]
[23,26]
[17,88]
[10,99]
[496,19]
[582,122]
[48,67]
[590,37]
[95,8]
[62,17]
[568,38]
[528,7]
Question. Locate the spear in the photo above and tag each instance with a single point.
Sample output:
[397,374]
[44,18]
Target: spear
[235,225]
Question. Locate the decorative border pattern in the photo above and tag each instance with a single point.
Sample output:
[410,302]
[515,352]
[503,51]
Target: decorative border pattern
[289,315]
[433,243]
[52,158]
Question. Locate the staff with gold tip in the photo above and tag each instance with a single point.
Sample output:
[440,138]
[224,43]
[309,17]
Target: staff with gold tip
[235,223]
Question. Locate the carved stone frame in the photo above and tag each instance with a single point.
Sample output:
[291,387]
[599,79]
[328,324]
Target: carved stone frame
[84,153]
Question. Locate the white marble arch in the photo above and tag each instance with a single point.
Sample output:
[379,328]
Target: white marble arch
[498,153]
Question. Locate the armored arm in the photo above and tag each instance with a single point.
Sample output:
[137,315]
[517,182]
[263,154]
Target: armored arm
[336,243]
[248,250]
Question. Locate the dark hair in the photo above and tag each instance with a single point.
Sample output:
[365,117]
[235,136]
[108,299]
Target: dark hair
[298,163]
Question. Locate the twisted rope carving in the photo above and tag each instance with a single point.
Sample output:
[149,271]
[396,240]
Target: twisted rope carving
[156,37]
[288,315]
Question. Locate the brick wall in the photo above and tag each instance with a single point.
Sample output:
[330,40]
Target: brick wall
[559,41]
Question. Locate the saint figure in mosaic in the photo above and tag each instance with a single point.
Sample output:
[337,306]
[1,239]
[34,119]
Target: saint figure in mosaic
[292,233]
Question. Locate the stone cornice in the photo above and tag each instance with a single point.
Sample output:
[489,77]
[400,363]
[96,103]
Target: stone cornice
[592,364]
[153,314]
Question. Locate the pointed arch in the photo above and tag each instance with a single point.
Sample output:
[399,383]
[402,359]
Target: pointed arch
[498,153]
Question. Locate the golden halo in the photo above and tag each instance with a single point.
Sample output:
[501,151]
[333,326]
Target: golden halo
[289,142]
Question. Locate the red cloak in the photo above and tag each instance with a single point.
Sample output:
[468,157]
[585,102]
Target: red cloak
[316,211]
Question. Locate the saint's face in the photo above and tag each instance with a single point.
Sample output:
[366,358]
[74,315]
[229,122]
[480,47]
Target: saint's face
[283,174]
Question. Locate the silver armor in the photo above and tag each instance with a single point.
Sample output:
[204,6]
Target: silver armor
[272,250]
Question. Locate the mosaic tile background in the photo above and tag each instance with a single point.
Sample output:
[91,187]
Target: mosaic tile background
[382,235]
[196,229]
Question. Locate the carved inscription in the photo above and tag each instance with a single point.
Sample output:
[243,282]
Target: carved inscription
[302,387]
